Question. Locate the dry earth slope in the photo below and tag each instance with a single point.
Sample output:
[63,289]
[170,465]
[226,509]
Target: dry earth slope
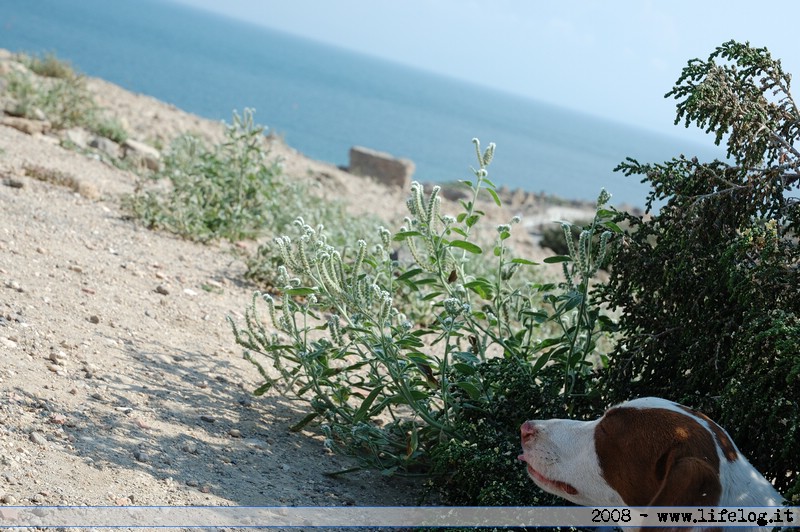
[120,380]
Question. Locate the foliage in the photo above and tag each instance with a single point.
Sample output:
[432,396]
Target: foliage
[230,190]
[553,237]
[482,467]
[391,391]
[262,265]
[235,190]
[60,96]
[709,287]
[47,65]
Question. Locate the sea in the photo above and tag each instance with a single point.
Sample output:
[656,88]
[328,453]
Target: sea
[323,100]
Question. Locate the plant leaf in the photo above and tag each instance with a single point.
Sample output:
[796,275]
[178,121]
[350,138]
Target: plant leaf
[466,246]
[303,422]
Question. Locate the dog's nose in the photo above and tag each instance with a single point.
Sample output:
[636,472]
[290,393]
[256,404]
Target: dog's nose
[528,431]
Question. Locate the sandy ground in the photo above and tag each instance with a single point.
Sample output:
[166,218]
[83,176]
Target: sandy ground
[121,383]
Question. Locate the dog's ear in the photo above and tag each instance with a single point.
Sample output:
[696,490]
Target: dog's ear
[689,481]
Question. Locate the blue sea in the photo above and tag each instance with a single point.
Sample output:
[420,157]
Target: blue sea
[323,99]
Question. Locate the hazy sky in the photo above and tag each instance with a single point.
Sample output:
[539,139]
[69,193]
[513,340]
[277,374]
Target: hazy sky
[611,58]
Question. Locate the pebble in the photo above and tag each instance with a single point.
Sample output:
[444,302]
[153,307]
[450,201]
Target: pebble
[9,499]
[189,447]
[58,357]
[161,289]
[235,433]
[207,419]
[14,286]
[94,319]
[37,438]
[7,342]
[141,456]
[192,483]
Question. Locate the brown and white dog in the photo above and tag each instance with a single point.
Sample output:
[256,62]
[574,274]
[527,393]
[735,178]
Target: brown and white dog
[645,452]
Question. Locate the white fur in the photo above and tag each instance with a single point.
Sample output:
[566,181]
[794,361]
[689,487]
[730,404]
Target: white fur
[563,450]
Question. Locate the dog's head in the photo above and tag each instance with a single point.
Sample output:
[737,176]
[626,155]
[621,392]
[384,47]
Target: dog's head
[648,452]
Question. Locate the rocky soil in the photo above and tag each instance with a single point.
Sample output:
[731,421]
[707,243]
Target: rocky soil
[121,383]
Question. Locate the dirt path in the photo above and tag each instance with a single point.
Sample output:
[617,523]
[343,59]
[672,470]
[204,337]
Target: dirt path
[121,383]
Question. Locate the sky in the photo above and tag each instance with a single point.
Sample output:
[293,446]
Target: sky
[615,58]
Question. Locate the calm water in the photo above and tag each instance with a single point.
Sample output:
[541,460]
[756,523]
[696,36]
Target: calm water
[324,100]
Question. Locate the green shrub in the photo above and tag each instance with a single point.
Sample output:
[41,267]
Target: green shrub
[709,286]
[481,467]
[231,190]
[404,396]
[47,65]
[109,128]
[60,96]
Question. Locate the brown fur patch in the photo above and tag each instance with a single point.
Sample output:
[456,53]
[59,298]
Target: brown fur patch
[657,457]
[725,443]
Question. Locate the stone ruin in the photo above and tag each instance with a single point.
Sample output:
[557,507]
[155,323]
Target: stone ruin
[384,168]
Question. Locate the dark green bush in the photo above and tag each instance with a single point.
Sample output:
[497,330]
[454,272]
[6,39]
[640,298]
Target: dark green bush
[708,288]
[482,467]
[553,236]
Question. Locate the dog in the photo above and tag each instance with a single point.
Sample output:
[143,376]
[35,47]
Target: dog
[645,452]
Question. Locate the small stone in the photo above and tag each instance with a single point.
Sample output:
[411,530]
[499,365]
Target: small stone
[37,438]
[7,342]
[9,499]
[107,146]
[189,447]
[189,292]
[192,483]
[207,419]
[94,319]
[161,289]
[58,357]
[141,456]
[235,433]
[205,489]
[14,285]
